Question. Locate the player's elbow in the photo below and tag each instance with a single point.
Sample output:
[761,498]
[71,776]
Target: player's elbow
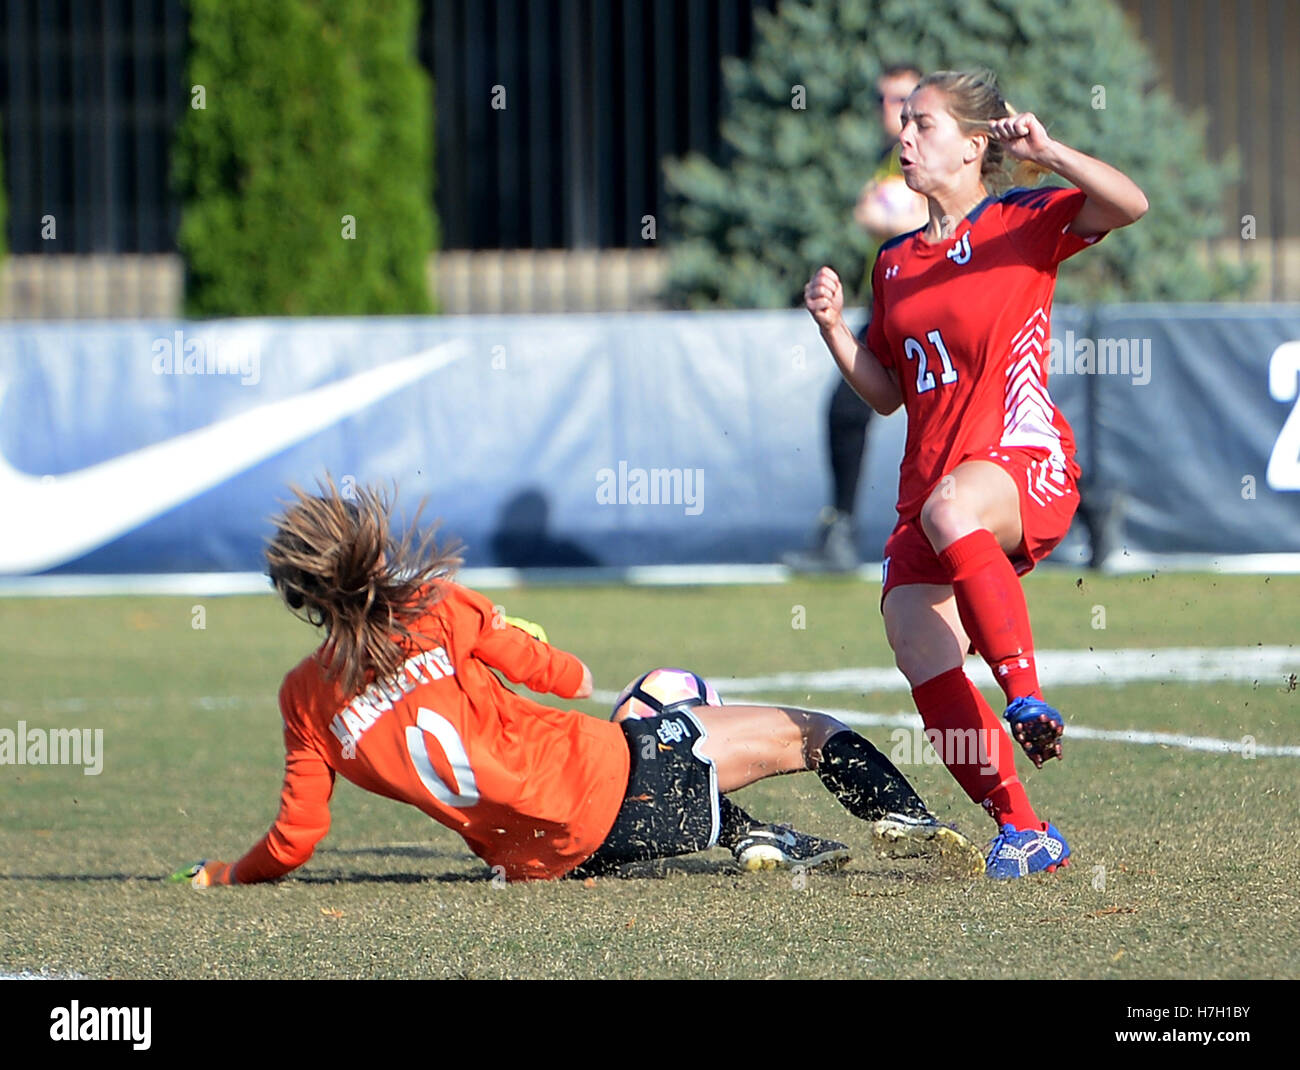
[883,397]
[1140,206]
[1135,206]
[886,400]
[293,846]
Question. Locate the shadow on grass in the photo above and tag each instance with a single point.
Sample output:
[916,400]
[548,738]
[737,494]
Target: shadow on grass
[657,869]
[393,878]
[399,850]
[326,877]
[76,878]
[891,880]
[704,866]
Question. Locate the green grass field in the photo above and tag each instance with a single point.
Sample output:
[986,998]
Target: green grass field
[1183,859]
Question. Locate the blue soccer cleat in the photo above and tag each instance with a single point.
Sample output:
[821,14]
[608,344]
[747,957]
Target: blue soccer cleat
[1019,852]
[1037,727]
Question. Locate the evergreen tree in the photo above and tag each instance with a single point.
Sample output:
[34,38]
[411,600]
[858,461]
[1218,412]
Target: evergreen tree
[306,177]
[750,232]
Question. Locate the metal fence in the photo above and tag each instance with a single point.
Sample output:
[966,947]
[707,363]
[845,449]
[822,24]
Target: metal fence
[596,94]
[89,95]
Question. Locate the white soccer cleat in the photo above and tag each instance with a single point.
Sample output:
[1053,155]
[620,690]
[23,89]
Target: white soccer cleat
[903,836]
[780,846]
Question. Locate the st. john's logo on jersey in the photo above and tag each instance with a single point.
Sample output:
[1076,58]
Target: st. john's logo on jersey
[960,253]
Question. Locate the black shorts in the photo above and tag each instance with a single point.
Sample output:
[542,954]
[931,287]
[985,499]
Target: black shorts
[671,804]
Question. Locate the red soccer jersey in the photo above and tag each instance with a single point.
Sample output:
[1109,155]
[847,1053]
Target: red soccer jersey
[965,325]
[532,789]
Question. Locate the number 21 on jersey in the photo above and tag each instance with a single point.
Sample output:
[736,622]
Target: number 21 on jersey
[924,376]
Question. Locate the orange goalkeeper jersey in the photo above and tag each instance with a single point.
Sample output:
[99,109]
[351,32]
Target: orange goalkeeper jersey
[532,789]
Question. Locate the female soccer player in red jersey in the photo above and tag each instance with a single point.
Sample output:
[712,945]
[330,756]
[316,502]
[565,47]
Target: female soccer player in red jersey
[987,487]
[401,699]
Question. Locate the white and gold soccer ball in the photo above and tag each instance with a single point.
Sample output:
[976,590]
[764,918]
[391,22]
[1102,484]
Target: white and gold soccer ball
[663,691]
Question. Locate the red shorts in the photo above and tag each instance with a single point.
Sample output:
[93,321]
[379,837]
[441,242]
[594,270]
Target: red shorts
[1048,499]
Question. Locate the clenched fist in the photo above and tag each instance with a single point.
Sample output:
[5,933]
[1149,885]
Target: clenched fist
[1022,136]
[824,298]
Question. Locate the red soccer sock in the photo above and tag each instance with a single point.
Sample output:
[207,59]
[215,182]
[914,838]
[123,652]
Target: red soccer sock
[992,607]
[968,736]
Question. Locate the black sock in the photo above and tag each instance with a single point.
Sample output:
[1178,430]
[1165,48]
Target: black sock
[866,783]
[735,824]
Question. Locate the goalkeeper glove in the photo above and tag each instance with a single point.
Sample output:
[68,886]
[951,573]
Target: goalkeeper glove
[204,874]
[535,630]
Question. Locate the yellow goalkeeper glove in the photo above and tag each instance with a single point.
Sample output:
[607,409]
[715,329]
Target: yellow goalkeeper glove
[535,630]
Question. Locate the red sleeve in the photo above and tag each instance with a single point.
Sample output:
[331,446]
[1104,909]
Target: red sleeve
[876,328]
[1038,223]
[525,660]
[304,816]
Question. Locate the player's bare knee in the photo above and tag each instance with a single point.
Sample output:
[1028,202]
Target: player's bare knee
[818,728]
[912,664]
[909,655]
[798,742]
[944,521]
[920,657]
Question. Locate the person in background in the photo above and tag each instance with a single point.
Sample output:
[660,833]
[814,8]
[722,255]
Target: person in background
[886,207]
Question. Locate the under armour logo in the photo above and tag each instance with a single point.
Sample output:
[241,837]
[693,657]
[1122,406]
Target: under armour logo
[1023,663]
[890,272]
[960,253]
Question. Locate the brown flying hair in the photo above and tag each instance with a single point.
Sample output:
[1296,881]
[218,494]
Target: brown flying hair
[337,564]
[974,100]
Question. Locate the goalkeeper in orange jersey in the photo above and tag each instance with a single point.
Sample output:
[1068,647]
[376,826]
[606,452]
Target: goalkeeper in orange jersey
[401,698]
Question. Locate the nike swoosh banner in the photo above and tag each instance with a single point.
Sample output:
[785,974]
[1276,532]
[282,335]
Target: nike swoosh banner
[571,440]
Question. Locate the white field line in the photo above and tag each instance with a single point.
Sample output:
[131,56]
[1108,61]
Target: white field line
[1271,665]
[78,585]
[1103,735]
[1254,564]
[1059,668]
[1266,665]
[912,722]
